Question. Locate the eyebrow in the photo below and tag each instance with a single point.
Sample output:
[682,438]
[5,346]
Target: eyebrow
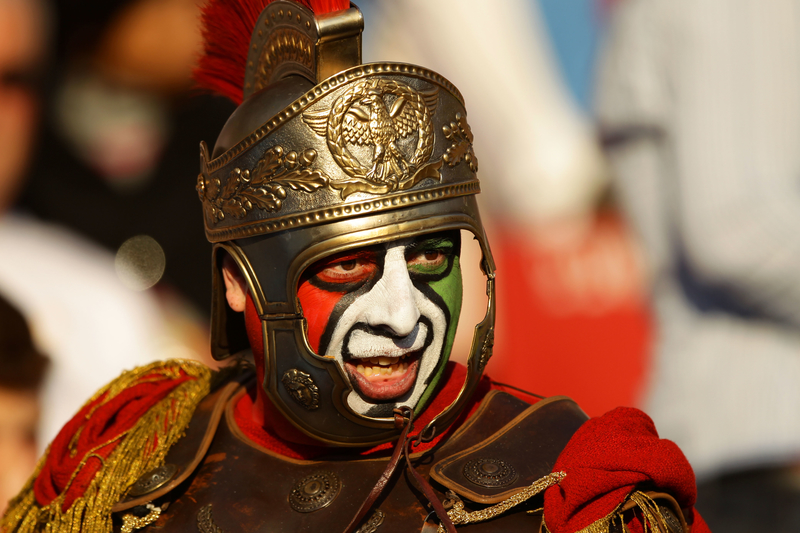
[432,241]
[440,240]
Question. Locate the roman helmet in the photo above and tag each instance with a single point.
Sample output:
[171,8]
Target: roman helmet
[323,156]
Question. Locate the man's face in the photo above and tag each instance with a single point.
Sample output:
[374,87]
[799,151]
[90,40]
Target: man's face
[388,314]
[20,50]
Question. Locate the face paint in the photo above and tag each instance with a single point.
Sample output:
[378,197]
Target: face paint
[388,315]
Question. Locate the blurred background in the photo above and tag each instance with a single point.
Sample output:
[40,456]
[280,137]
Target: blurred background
[641,186]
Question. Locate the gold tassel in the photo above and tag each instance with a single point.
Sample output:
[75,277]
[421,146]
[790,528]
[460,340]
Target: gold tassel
[653,520]
[134,456]
[604,525]
[460,516]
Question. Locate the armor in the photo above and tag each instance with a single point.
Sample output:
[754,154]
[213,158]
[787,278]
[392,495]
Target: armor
[335,198]
[228,493]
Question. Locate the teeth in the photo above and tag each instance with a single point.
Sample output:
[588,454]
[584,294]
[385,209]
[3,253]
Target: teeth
[385,361]
[381,369]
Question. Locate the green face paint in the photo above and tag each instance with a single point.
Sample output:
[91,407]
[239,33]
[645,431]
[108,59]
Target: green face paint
[389,316]
[450,289]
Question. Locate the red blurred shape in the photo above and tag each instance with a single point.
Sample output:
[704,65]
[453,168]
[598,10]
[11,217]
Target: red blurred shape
[572,320]
[227,27]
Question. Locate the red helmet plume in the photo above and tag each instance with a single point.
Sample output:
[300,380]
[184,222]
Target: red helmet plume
[227,27]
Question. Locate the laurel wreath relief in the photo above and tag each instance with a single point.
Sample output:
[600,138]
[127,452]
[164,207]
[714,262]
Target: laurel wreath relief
[460,133]
[263,187]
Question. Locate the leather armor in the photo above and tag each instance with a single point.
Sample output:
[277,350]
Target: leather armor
[223,483]
[183,463]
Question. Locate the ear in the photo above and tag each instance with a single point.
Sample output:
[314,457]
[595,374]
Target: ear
[235,285]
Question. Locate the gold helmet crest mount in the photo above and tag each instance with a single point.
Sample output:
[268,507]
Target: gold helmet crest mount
[290,40]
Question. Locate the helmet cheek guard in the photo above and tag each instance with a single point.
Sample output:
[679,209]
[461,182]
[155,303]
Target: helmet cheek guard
[303,171]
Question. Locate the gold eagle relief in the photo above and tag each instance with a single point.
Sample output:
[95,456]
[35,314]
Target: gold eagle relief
[379,113]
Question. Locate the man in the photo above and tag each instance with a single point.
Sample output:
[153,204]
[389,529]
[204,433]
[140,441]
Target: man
[698,100]
[336,197]
[22,45]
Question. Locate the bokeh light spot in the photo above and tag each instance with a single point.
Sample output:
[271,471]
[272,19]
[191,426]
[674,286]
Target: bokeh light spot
[140,262]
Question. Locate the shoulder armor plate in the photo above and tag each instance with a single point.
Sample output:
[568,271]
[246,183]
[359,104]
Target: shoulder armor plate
[521,452]
[185,456]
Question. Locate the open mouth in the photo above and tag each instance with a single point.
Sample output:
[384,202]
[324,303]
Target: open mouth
[384,378]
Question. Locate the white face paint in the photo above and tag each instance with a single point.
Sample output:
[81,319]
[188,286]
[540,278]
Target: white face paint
[389,340]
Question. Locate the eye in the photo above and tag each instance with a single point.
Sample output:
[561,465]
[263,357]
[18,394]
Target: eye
[427,259]
[348,270]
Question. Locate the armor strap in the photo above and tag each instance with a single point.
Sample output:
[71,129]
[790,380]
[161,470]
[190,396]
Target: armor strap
[669,514]
[406,418]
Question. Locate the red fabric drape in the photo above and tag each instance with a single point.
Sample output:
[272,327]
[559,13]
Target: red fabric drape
[78,451]
[608,458]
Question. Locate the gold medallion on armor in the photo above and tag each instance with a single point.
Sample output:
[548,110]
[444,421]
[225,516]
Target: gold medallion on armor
[302,388]
[487,472]
[314,492]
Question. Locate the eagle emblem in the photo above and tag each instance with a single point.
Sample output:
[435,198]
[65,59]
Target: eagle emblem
[379,113]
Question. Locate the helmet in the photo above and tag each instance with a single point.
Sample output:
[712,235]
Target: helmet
[326,157]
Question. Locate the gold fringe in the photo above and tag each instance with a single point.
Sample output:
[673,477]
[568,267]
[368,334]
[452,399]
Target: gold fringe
[653,520]
[460,516]
[130,523]
[135,455]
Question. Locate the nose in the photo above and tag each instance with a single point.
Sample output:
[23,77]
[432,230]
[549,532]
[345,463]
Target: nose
[393,305]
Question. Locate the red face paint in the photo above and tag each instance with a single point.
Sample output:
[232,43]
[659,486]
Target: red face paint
[326,282]
[255,334]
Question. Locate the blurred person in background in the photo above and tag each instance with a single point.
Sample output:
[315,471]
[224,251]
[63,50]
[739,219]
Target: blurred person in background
[577,290]
[699,103]
[22,371]
[81,313]
[22,48]
[120,131]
